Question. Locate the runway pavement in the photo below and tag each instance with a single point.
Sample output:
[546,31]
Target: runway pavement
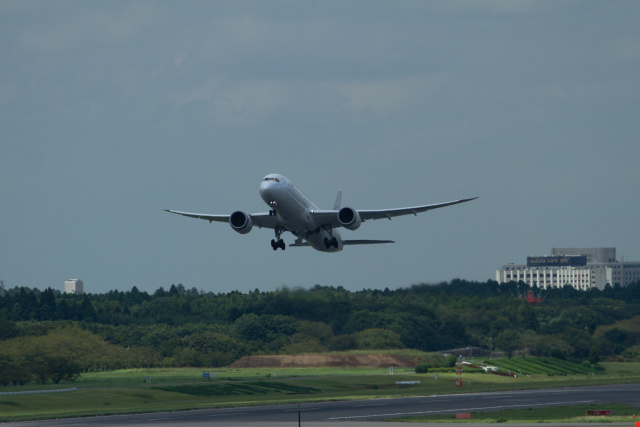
[363,412]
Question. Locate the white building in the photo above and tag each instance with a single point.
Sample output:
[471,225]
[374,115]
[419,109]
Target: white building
[73,286]
[582,268]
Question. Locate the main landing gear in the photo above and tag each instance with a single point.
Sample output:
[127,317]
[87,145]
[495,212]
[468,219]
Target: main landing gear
[328,243]
[278,242]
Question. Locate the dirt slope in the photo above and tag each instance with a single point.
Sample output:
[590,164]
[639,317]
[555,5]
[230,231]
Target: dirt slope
[319,360]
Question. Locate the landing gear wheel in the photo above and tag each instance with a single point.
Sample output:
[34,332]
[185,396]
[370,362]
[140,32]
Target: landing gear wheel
[279,244]
[328,243]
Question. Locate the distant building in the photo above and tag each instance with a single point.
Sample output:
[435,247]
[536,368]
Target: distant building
[73,286]
[582,268]
[592,254]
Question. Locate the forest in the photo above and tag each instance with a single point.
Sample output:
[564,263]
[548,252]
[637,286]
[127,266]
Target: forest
[47,335]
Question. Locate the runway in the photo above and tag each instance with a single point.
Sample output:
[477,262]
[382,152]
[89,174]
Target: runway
[363,412]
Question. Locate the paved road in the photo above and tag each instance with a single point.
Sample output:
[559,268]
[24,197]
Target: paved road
[364,412]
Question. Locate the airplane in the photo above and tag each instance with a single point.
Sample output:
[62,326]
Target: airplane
[292,211]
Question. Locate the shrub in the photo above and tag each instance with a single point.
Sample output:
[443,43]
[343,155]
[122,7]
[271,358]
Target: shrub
[451,361]
[422,369]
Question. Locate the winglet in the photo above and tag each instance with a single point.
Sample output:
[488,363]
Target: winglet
[336,206]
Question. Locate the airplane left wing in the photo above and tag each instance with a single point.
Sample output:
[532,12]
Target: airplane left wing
[330,217]
[390,213]
[346,243]
[258,219]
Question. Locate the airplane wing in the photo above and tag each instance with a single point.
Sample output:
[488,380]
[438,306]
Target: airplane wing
[330,217]
[389,213]
[258,219]
[365,242]
[347,243]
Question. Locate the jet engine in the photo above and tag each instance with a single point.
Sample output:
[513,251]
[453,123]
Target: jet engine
[349,218]
[240,222]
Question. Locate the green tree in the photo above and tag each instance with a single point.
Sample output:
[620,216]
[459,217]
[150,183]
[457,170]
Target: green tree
[250,327]
[8,329]
[377,339]
[343,343]
[557,353]
[594,355]
[508,341]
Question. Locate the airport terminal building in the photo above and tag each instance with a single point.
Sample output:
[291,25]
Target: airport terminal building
[582,268]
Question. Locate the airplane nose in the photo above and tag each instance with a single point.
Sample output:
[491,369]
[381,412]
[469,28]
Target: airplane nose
[265,188]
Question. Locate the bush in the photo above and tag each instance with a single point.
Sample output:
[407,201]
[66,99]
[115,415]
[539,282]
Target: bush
[444,370]
[451,361]
[422,369]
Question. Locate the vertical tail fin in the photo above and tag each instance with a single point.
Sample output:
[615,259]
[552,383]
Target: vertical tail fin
[336,206]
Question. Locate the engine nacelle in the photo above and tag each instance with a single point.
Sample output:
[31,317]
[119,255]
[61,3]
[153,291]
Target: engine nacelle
[240,222]
[349,218]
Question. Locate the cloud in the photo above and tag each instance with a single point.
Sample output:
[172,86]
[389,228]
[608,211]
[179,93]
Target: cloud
[384,96]
[249,103]
[236,103]
[498,7]
[82,27]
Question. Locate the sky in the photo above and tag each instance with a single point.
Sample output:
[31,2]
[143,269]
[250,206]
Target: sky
[111,111]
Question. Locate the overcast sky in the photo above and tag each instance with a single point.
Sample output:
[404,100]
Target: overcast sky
[111,111]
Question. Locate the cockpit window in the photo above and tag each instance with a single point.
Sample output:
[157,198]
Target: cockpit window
[272,179]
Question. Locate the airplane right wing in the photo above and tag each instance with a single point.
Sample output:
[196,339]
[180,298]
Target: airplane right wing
[208,217]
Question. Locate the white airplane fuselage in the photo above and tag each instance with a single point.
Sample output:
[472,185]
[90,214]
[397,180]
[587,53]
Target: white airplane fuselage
[294,208]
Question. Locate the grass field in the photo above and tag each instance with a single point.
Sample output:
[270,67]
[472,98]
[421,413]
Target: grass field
[127,391]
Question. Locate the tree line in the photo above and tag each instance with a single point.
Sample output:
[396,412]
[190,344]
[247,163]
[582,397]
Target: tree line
[52,336]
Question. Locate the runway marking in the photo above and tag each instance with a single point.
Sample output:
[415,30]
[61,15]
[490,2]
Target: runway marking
[397,414]
[365,406]
[226,414]
[301,409]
